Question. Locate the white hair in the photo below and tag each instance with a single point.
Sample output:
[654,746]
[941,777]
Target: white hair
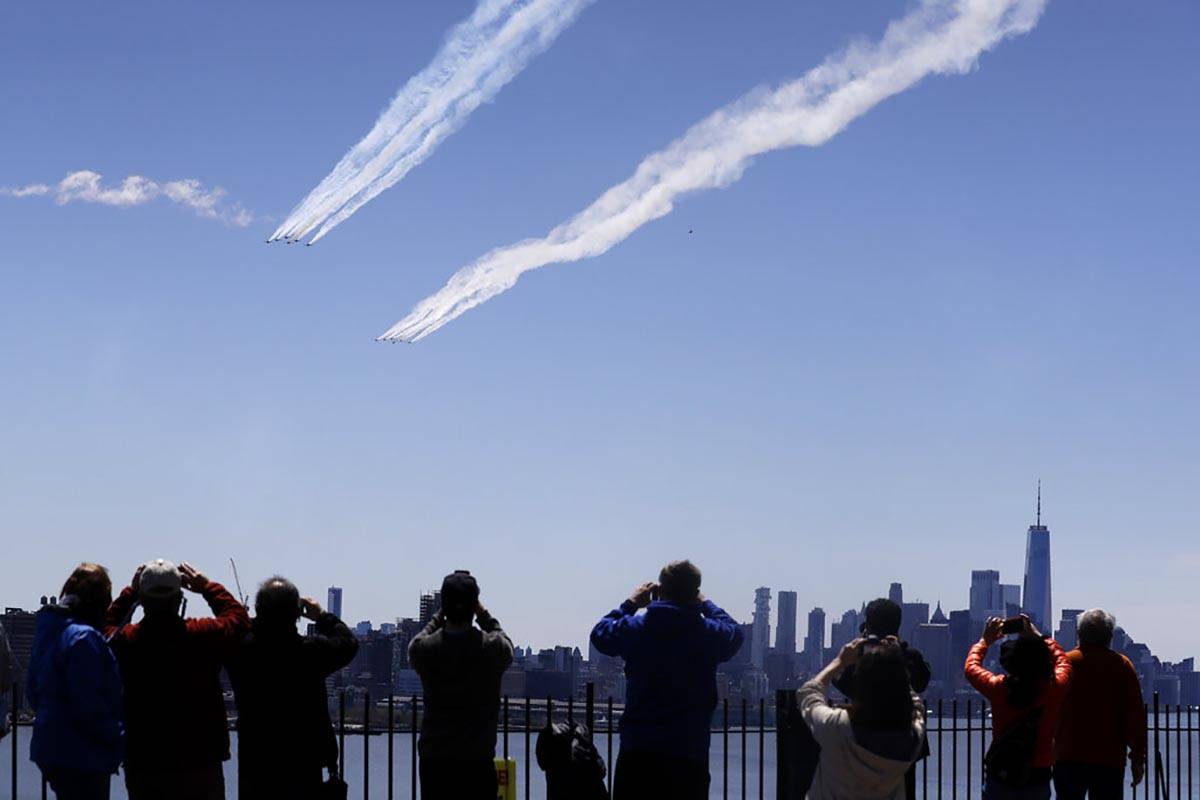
[1095,626]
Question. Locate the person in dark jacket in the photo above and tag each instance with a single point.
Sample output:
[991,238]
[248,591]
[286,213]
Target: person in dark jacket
[881,621]
[170,668]
[74,689]
[460,668]
[285,736]
[671,655]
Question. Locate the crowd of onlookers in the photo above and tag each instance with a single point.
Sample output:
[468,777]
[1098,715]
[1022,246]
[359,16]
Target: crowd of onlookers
[108,692]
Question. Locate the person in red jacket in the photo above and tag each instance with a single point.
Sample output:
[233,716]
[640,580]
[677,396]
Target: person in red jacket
[1103,716]
[1033,690]
[176,732]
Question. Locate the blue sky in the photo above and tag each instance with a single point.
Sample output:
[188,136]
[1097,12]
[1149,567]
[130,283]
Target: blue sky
[853,372]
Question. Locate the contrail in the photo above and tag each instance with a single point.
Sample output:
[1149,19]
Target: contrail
[480,56]
[938,36]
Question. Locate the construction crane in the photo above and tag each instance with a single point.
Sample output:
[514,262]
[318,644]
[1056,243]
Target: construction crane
[245,598]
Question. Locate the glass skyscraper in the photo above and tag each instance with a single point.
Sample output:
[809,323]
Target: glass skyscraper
[1036,601]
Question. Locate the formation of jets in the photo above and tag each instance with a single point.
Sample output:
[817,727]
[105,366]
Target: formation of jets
[288,239]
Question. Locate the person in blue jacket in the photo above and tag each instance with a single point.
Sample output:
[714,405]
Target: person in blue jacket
[75,690]
[671,655]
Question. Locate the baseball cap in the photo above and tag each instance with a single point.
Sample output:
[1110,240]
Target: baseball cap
[460,594]
[160,578]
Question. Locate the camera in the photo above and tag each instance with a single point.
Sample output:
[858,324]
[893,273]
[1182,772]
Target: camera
[1013,625]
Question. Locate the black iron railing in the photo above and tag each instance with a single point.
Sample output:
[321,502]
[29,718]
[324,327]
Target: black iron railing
[958,734]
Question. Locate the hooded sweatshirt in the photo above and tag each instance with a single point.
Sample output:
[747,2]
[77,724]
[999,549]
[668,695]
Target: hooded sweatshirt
[75,691]
[848,770]
[671,655]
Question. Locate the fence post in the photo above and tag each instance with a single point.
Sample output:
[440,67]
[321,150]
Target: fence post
[342,734]
[367,746]
[783,725]
[1157,754]
[608,729]
[16,703]
[413,755]
[589,714]
[725,750]
[528,723]
[391,748]
[969,748]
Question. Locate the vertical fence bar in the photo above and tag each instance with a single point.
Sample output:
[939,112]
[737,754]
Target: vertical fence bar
[528,724]
[1190,731]
[391,733]
[743,748]
[941,763]
[342,734]
[969,760]
[925,760]
[1178,753]
[413,755]
[366,746]
[506,727]
[954,749]
[45,787]
[762,745]
[608,733]
[16,702]
[589,710]
[570,709]
[1157,752]
[725,752]
[1149,759]
[982,744]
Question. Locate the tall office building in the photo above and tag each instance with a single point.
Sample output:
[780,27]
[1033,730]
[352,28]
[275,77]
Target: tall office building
[912,615]
[1011,593]
[785,624]
[814,640]
[896,594]
[333,602]
[844,631]
[987,598]
[1067,634]
[431,603]
[762,626]
[1037,571]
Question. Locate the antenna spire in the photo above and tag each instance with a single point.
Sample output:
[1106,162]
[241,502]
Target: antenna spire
[1039,504]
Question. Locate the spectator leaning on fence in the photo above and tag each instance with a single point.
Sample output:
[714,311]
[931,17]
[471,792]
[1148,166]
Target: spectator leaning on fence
[75,690]
[460,668]
[867,748]
[1103,717]
[671,655]
[170,667]
[1025,707]
[285,736]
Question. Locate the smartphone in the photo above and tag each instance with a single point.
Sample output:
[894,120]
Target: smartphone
[1013,625]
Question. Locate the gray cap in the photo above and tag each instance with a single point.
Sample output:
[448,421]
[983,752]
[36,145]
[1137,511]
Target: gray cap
[160,578]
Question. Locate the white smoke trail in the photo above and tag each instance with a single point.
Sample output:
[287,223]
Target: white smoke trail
[939,36]
[479,58]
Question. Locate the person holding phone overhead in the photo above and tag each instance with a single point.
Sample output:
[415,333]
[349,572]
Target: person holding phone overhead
[285,735]
[671,654]
[1025,707]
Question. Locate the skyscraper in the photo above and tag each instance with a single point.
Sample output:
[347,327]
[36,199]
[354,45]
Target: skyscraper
[333,602]
[785,623]
[762,626]
[896,594]
[814,640]
[1011,593]
[987,598]
[431,603]
[1037,571]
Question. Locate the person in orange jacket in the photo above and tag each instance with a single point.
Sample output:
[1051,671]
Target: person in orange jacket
[1028,698]
[1103,717]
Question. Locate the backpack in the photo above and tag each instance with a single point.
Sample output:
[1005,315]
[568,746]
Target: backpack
[574,769]
[1009,759]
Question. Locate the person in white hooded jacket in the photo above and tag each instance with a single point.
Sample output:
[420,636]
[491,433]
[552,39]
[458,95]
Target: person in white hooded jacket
[867,747]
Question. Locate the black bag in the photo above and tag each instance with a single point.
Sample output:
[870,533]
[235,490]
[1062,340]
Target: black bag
[574,769]
[1009,760]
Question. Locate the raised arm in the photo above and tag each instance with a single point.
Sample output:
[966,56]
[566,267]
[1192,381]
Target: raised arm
[821,717]
[334,646]
[495,640]
[1062,667]
[982,679]
[728,633]
[420,643]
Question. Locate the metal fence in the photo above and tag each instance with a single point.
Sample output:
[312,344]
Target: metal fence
[958,735]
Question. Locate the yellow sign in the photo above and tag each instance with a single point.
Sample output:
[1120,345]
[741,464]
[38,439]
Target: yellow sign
[506,779]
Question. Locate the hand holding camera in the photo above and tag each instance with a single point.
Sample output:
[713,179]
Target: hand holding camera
[310,609]
[643,594]
[192,579]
